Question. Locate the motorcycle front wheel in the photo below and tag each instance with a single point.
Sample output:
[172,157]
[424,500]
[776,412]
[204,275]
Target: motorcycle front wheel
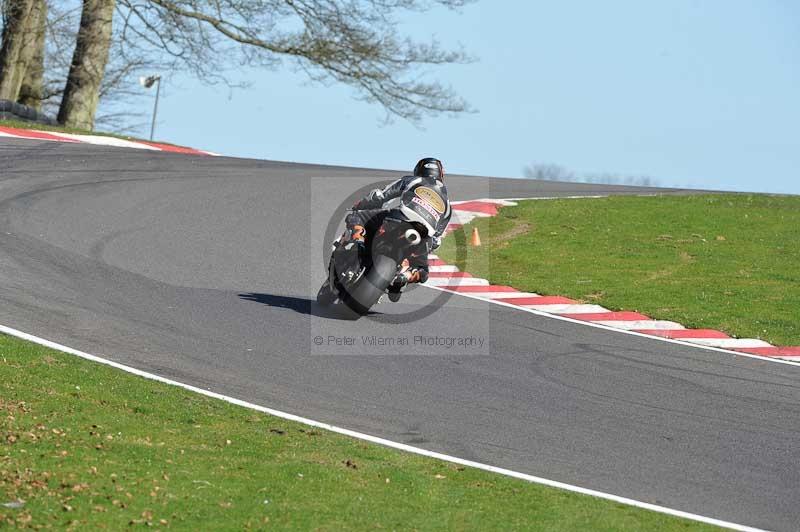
[326,296]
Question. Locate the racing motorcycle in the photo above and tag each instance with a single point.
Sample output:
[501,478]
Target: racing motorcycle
[405,229]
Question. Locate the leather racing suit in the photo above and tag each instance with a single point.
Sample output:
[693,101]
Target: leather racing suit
[368,214]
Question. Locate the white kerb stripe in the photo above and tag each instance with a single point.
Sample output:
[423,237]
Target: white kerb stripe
[501,202]
[729,343]
[567,308]
[677,341]
[467,212]
[25,135]
[106,141]
[443,269]
[473,214]
[503,295]
[643,324]
[462,217]
[456,281]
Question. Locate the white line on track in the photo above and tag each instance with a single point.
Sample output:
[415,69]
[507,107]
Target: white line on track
[380,441]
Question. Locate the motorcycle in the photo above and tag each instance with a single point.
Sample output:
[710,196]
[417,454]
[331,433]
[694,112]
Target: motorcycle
[405,228]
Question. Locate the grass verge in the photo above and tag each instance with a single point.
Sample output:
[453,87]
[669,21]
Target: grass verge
[88,446]
[727,262]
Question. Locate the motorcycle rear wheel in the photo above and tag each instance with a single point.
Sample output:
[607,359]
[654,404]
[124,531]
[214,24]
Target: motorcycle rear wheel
[365,293]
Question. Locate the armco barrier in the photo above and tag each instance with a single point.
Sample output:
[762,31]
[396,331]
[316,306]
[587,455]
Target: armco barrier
[15,111]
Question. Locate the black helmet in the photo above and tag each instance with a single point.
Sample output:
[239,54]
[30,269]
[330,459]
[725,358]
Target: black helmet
[429,167]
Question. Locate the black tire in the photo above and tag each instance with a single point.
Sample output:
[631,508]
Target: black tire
[326,296]
[364,293]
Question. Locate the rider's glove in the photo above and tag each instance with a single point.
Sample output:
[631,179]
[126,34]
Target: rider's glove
[371,201]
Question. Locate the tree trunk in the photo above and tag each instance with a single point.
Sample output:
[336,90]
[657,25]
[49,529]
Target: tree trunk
[16,38]
[31,90]
[82,92]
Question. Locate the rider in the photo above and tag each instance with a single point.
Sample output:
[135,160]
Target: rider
[370,210]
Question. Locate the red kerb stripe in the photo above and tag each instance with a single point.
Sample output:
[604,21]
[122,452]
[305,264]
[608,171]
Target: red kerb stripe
[772,351]
[484,207]
[31,134]
[171,148]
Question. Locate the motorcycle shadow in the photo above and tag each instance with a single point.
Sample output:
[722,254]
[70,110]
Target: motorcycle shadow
[306,306]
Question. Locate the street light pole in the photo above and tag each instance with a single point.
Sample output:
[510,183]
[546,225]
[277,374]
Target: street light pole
[147,83]
[155,108]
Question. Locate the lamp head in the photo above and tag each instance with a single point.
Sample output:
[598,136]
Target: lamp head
[148,81]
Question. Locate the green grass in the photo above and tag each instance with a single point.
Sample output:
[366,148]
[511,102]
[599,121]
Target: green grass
[21,124]
[87,446]
[727,262]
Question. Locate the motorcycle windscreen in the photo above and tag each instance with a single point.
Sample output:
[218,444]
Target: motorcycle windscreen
[425,205]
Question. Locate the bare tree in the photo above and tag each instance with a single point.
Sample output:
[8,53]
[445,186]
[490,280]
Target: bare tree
[38,49]
[548,172]
[118,89]
[21,22]
[554,172]
[82,90]
[31,90]
[607,178]
[354,42]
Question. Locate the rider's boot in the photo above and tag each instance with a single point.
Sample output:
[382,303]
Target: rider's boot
[395,291]
[402,279]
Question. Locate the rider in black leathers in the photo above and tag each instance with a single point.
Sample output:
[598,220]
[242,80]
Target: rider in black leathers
[368,214]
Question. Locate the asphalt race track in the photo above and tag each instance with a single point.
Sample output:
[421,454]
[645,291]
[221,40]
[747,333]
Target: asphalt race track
[204,270]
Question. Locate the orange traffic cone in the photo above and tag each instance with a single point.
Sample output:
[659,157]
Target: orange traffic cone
[476,238]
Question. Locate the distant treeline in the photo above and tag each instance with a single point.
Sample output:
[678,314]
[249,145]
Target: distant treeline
[554,172]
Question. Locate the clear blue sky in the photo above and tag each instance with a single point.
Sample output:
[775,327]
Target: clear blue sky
[690,92]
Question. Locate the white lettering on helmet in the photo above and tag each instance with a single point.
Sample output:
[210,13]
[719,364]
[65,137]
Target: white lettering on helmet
[431,165]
